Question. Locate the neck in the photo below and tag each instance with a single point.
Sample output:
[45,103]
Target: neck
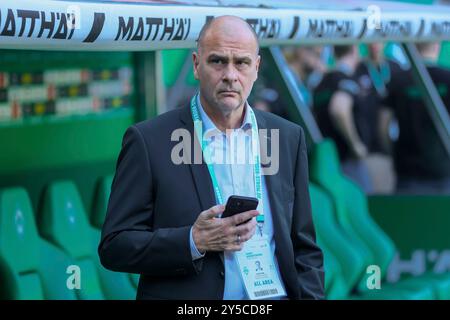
[375,61]
[224,120]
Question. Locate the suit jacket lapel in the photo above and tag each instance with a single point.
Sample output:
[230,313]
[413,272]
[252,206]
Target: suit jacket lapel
[272,182]
[200,173]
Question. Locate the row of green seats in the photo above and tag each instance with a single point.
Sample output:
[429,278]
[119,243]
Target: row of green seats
[36,255]
[352,241]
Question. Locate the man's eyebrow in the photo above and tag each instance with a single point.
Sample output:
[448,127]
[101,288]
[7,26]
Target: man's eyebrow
[224,58]
[243,58]
[217,56]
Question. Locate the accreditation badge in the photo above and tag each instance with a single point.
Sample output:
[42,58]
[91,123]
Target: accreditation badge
[258,270]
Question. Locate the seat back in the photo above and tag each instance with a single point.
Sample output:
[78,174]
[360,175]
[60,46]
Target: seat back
[53,266]
[115,285]
[334,242]
[19,250]
[100,204]
[63,222]
[350,207]
[335,287]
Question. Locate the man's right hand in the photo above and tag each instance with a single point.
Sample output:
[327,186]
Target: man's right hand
[222,234]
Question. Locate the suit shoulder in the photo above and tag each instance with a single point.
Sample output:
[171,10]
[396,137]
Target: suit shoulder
[166,121]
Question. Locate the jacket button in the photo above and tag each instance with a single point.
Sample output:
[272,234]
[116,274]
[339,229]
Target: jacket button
[222,274]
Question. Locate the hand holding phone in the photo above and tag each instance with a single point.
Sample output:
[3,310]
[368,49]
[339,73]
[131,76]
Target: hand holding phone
[238,204]
[212,234]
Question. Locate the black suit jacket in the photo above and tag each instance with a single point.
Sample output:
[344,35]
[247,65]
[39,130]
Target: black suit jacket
[154,203]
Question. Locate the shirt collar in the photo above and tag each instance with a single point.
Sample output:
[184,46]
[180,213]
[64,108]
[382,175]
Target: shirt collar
[208,124]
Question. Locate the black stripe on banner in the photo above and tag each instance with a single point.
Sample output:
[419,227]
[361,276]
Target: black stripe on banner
[97,27]
[295,27]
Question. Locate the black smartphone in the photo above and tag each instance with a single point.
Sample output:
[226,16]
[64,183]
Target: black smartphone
[238,204]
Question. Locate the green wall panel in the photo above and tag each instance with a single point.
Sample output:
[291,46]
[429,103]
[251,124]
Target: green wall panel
[444,58]
[62,142]
[173,61]
[413,222]
[29,61]
[36,151]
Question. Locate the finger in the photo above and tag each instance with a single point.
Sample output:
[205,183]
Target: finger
[243,216]
[245,227]
[213,211]
[245,231]
[235,247]
[248,235]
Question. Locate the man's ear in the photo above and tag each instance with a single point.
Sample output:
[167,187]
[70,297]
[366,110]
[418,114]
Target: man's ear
[195,62]
[258,61]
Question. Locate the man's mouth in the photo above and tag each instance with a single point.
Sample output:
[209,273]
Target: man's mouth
[228,92]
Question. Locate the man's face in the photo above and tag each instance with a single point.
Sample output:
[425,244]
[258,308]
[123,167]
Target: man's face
[226,66]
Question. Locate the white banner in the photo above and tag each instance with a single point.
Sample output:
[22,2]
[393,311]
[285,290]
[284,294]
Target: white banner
[63,25]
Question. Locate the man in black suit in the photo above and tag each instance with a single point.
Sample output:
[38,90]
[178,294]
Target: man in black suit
[163,220]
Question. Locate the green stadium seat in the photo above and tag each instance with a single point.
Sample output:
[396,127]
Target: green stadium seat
[116,285]
[350,208]
[134,279]
[63,222]
[334,242]
[357,204]
[322,168]
[100,203]
[335,287]
[19,247]
[53,264]
[99,214]
[394,293]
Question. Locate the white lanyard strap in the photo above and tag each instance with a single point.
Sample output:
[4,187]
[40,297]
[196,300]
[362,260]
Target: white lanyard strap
[207,156]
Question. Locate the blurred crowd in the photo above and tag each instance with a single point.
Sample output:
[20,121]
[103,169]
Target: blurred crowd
[371,107]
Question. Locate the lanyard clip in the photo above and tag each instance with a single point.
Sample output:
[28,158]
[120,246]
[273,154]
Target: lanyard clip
[260,227]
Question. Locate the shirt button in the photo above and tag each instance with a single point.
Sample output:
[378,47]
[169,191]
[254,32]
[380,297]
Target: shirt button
[222,274]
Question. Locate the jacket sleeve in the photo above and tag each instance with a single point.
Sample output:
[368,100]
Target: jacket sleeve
[129,243]
[308,256]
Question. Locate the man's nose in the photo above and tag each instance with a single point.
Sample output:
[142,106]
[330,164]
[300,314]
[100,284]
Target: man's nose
[230,73]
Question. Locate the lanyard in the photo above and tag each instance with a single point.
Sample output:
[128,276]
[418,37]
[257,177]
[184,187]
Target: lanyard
[379,78]
[207,156]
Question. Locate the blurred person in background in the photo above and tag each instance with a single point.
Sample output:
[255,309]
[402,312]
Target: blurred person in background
[420,159]
[307,67]
[373,74]
[341,112]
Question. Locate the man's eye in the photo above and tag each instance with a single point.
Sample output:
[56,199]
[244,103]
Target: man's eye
[217,61]
[242,63]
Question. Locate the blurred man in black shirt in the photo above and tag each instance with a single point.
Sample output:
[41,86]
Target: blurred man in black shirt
[421,162]
[341,112]
[374,75]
